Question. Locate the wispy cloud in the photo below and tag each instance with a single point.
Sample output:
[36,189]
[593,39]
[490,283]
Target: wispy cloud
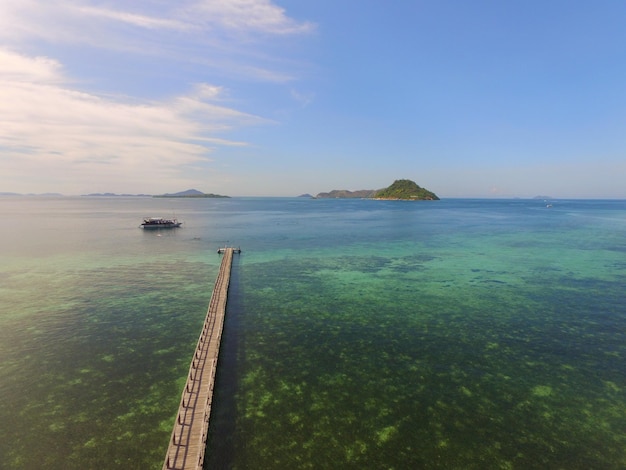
[55,127]
[47,128]
[143,21]
[243,15]
[304,99]
[229,36]
[67,20]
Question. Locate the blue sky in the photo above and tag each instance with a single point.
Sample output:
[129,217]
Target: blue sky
[279,98]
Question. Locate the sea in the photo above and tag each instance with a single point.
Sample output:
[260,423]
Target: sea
[359,334]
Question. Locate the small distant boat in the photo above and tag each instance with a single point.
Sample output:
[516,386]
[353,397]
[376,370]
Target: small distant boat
[160,222]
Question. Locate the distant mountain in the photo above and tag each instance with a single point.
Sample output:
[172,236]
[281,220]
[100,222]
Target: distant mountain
[306,195]
[191,193]
[188,193]
[399,190]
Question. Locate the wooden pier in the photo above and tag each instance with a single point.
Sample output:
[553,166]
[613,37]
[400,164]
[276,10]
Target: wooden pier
[188,440]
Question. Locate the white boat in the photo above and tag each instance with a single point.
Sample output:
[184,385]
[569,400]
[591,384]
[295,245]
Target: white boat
[160,222]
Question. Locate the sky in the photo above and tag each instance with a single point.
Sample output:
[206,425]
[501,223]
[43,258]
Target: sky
[284,97]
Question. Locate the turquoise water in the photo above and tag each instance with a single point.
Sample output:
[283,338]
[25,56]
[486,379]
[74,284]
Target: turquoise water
[359,334]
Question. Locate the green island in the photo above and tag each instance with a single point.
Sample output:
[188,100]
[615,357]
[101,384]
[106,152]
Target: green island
[404,189]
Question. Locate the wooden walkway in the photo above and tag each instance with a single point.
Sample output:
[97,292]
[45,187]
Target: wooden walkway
[188,440]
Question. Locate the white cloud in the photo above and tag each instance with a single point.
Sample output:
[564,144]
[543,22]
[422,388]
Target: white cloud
[51,132]
[56,127]
[79,20]
[206,91]
[244,15]
[16,67]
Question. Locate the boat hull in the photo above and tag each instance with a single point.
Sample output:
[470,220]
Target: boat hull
[157,226]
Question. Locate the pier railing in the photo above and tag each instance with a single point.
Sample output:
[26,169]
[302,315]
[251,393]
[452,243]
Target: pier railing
[189,434]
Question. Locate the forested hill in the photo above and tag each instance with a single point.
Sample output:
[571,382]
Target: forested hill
[406,189]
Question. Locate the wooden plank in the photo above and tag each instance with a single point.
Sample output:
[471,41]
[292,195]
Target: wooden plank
[188,439]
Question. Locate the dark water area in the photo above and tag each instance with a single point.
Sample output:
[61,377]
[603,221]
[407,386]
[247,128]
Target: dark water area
[359,334]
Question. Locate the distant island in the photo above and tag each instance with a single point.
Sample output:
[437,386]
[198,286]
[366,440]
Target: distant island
[193,193]
[403,189]
[188,193]
[115,195]
[400,190]
[345,194]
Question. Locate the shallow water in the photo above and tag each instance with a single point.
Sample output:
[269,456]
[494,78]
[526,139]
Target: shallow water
[359,334]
